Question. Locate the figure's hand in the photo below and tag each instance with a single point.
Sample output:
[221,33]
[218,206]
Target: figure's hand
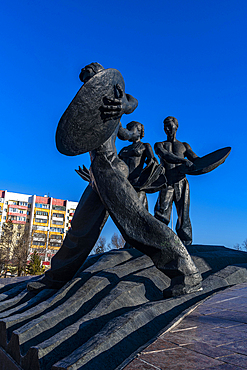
[114,108]
[84,173]
[189,163]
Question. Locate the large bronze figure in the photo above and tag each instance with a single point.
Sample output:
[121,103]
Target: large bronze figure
[145,174]
[178,159]
[98,106]
[172,154]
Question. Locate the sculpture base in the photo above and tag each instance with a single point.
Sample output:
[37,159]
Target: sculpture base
[6,362]
[108,312]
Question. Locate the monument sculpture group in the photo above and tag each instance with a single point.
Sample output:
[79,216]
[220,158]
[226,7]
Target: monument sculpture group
[97,312]
[118,184]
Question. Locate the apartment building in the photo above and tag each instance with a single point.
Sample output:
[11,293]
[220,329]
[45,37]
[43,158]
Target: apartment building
[47,219]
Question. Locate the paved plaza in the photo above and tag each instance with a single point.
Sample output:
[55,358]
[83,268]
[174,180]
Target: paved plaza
[212,336]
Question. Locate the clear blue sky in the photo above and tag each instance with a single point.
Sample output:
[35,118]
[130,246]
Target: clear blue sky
[181,58]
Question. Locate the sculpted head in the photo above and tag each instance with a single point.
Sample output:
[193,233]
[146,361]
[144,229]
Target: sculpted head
[170,125]
[89,71]
[136,127]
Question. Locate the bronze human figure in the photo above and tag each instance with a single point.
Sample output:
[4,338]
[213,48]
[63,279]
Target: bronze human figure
[145,175]
[110,192]
[172,154]
[178,159]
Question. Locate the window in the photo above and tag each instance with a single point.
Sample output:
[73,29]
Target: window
[52,251]
[55,245]
[38,243]
[42,228]
[40,220]
[23,204]
[57,223]
[59,208]
[29,205]
[41,205]
[39,236]
[58,215]
[41,213]
[13,218]
[56,230]
[28,212]
[21,218]
[55,236]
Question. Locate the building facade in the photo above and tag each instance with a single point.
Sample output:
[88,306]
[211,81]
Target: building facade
[47,219]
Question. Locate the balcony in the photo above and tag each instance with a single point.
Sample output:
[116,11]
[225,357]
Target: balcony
[58,218]
[54,245]
[17,214]
[17,207]
[60,223]
[40,221]
[55,241]
[41,228]
[35,239]
[59,208]
[57,230]
[41,216]
[38,246]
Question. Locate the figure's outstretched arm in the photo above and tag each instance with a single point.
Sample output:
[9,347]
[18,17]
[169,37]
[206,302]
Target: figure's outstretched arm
[125,134]
[170,157]
[131,105]
[189,153]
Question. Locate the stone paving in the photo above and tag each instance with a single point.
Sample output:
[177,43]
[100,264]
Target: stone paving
[212,336]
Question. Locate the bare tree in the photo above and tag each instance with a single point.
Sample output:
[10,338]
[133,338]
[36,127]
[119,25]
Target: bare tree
[20,252]
[244,244]
[117,241]
[100,246]
[237,246]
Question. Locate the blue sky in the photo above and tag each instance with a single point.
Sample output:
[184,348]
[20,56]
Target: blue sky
[181,58]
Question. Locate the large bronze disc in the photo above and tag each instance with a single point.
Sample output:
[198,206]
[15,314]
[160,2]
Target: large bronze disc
[207,163]
[81,127]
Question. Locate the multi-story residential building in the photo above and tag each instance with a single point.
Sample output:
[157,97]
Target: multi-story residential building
[47,219]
